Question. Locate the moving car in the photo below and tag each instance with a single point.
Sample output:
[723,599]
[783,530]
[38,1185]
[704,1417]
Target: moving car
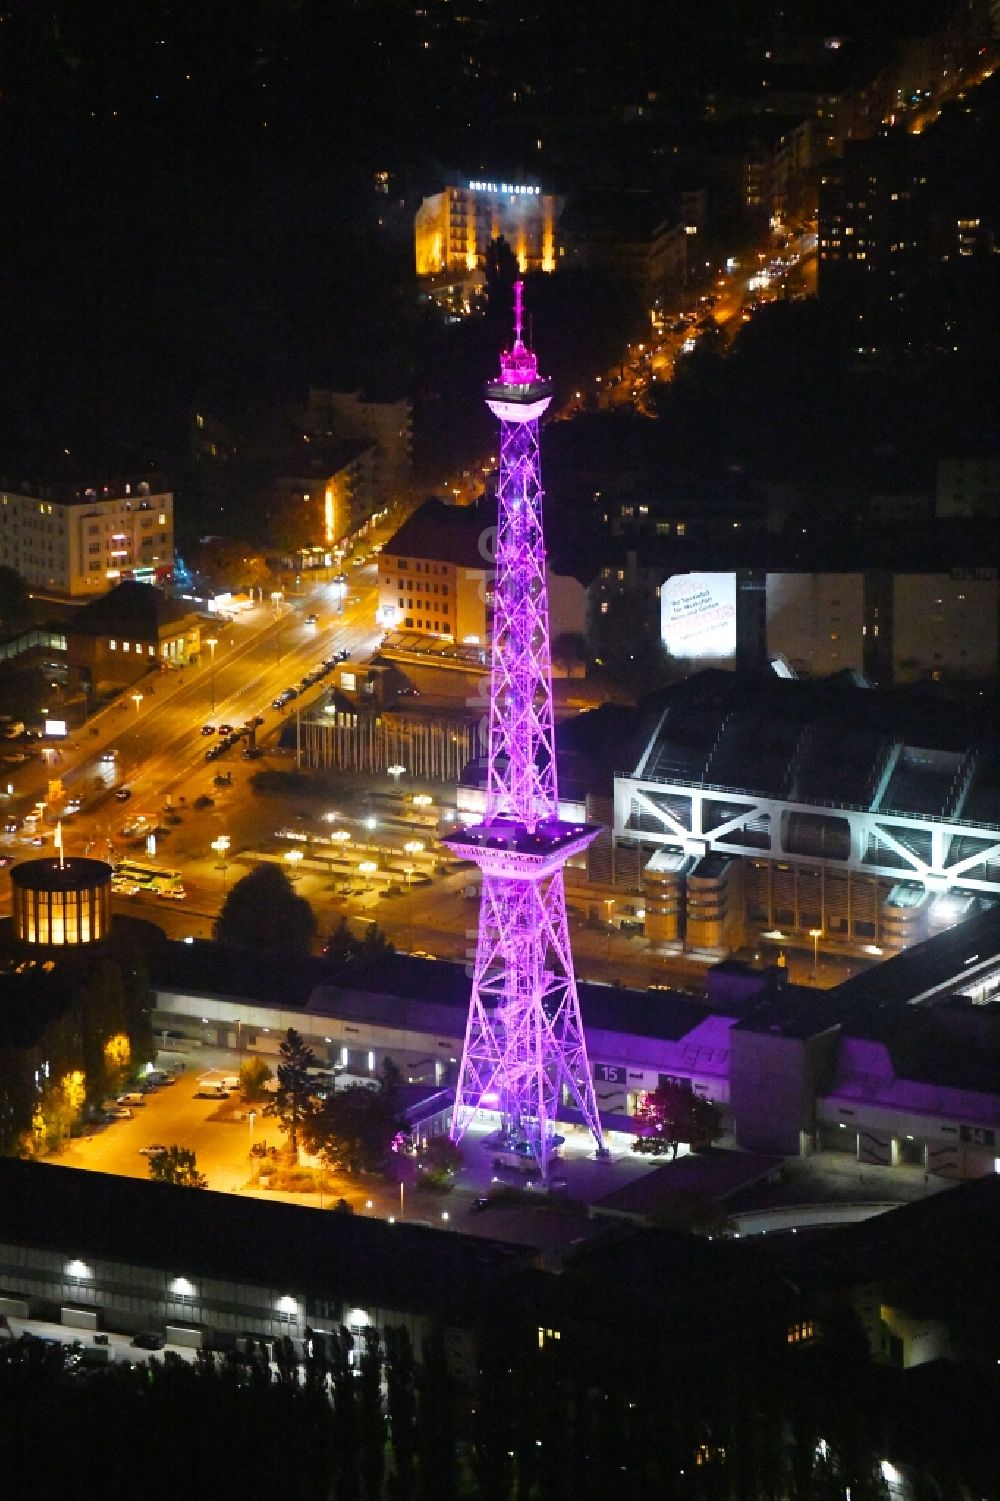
[149,1341]
[312,620]
[208,729]
[122,794]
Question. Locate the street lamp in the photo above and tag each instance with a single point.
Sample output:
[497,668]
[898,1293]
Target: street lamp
[341,837]
[422,800]
[815,934]
[396,772]
[220,846]
[276,598]
[212,642]
[413,847]
[367,868]
[137,700]
[609,902]
[408,872]
[294,859]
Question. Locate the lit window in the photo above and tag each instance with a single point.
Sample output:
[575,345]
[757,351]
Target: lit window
[113,646]
[126,646]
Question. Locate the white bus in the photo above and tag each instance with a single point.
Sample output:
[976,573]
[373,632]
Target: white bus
[130,874]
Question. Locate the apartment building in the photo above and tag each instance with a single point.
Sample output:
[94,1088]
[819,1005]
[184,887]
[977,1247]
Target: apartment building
[79,544]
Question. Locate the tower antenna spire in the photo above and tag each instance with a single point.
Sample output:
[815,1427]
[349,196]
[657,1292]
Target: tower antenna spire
[518,312]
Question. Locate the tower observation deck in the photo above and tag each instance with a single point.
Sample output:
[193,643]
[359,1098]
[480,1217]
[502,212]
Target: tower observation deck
[524,1051]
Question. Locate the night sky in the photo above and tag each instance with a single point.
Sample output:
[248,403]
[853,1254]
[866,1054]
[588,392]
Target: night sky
[189,213]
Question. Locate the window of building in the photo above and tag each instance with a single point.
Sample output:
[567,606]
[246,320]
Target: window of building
[408,623]
[400,602]
[112,646]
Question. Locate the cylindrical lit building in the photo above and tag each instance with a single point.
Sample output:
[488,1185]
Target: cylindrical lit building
[61,905]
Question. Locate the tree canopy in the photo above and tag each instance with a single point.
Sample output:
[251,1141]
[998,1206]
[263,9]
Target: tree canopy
[176,1165]
[15,607]
[353,1129]
[262,911]
[367,953]
[673,1114]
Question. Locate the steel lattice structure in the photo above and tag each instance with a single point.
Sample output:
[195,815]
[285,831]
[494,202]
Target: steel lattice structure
[524,1043]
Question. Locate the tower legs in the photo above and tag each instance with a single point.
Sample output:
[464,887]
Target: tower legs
[524,1046]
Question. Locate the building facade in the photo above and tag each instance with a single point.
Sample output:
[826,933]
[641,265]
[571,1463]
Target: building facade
[115,641]
[79,545]
[354,417]
[790,1069]
[453,228]
[766,809]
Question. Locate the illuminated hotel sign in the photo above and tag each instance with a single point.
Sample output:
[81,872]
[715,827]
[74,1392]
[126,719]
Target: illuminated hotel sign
[515,189]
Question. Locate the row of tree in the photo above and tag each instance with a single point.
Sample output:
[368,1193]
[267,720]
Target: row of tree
[87,1051]
[607,1405]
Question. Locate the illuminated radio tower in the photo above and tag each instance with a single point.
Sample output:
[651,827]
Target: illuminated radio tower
[524,1045]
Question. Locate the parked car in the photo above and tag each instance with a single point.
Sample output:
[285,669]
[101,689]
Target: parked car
[155,1149]
[122,794]
[208,729]
[149,1341]
[120,1113]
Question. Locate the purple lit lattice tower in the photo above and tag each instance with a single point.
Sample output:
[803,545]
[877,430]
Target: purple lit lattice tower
[524,1041]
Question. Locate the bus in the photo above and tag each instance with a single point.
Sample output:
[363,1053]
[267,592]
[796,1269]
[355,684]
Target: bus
[132,877]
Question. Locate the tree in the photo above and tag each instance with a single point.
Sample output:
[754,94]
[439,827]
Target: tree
[501,274]
[442,1159]
[224,564]
[354,1129]
[254,1074]
[176,1165]
[15,606]
[367,953]
[263,912]
[672,1114]
[569,650]
[293,1103]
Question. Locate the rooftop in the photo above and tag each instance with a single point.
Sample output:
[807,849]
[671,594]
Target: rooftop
[130,610]
[74,874]
[198,1232]
[826,741]
[443,533]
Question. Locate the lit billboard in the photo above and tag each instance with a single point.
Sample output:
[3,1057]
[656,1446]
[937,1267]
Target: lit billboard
[698,616]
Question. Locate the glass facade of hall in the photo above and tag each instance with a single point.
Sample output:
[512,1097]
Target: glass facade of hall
[62,917]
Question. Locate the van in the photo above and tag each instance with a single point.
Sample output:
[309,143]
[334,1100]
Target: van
[231,1081]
